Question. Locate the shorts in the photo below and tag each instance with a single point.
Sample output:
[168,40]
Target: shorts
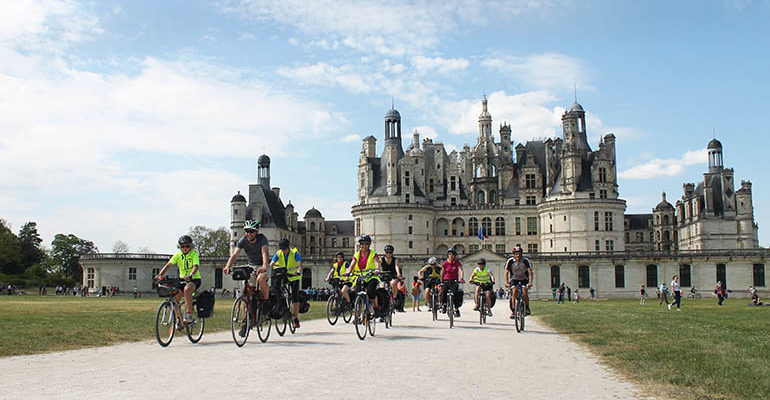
[522,282]
[370,286]
[184,283]
[294,289]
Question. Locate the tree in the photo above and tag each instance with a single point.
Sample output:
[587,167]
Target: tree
[65,254]
[30,240]
[145,250]
[10,251]
[120,247]
[211,242]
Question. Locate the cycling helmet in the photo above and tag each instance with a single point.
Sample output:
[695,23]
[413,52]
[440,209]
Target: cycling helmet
[518,249]
[482,261]
[389,249]
[452,250]
[185,239]
[339,253]
[432,261]
[364,239]
[249,224]
[283,244]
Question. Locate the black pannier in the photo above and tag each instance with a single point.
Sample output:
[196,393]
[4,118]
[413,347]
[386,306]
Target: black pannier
[204,304]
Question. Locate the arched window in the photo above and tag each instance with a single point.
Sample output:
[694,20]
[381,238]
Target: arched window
[473,226]
[665,219]
[486,226]
[480,200]
[312,226]
[492,197]
[500,226]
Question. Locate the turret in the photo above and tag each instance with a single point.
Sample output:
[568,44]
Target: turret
[715,156]
[485,120]
[263,171]
[237,218]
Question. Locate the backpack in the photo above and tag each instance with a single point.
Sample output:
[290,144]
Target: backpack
[204,305]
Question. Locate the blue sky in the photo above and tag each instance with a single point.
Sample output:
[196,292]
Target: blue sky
[134,120]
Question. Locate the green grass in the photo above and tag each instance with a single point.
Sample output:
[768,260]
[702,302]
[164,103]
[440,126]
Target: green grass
[34,324]
[702,352]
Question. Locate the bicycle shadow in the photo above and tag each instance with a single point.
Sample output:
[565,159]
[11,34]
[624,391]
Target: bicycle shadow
[301,343]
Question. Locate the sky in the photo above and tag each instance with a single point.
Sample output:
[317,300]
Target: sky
[134,120]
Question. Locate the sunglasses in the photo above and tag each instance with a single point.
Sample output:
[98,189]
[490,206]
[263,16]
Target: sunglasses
[250,231]
[184,246]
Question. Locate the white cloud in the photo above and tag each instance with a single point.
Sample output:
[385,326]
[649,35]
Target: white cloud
[659,167]
[527,113]
[247,36]
[351,138]
[539,71]
[441,65]
[326,74]
[45,24]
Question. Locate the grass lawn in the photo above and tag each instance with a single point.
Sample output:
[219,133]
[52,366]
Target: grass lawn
[34,324]
[702,352]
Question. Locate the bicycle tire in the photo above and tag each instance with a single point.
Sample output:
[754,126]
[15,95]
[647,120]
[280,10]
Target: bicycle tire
[263,325]
[332,310]
[165,320]
[522,315]
[360,317]
[239,317]
[389,315]
[347,310]
[450,309]
[195,329]
[434,306]
[290,322]
[280,326]
[371,323]
[482,302]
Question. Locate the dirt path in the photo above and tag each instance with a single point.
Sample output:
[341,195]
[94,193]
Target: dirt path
[417,359]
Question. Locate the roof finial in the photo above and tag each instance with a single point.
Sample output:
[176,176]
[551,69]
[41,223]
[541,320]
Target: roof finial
[392,101]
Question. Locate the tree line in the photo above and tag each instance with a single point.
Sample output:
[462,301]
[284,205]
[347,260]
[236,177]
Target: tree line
[24,259]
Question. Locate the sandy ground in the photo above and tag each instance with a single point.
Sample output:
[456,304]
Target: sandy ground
[416,359]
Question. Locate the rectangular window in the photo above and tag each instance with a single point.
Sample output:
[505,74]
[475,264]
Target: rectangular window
[596,220]
[358,226]
[473,248]
[410,217]
[406,178]
[532,248]
[411,230]
[584,277]
[609,245]
[530,181]
[334,242]
[684,275]
[410,244]
[603,175]
[640,237]
[608,221]
[551,243]
[518,226]
[652,275]
[90,277]
[488,246]
[452,183]
[531,200]
[406,198]
[620,276]
[592,195]
[453,201]
[516,202]
[759,274]
[500,248]
[430,187]
[602,194]
[596,245]
[132,274]
[155,272]
[555,276]
[345,242]
[531,225]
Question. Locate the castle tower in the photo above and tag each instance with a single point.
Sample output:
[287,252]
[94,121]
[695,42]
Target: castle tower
[664,226]
[715,156]
[237,218]
[263,171]
[485,120]
[747,229]
[393,151]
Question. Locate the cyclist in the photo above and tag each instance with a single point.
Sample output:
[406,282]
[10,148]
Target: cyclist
[430,275]
[255,246]
[486,281]
[452,271]
[518,270]
[366,260]
[390,265]
[289,260]
[188,263]
[337,271]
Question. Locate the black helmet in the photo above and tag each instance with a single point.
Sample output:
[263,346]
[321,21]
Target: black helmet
[389,248]
[339,253]
[283,244]
[185,239]
[482,261]
[452,250]
[364,239]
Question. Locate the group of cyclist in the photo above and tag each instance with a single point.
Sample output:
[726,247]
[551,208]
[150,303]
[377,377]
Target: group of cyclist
[365,265]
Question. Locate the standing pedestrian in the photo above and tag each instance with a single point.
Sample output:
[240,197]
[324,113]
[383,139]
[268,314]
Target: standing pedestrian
[720,294]
[677,293]
[569,294]
[663,294]
[643,295]
[593,293]
[416,290]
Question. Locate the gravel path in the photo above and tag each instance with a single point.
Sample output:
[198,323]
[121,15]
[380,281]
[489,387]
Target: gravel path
[417,359]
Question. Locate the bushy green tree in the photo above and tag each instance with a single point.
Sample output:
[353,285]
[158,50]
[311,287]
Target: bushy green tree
[30,240]
[65,254]
[211,242]
[10,251]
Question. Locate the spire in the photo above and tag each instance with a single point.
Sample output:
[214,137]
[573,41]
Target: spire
[485,119]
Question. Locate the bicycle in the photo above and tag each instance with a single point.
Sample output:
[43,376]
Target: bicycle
[364,316]
[285,319]
[390,306]
[482,301]
[435,288]
[247,310]
[450,304]
[519,307]
[166,320]
[336,304]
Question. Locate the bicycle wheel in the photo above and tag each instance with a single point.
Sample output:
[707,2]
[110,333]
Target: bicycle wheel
[482,309]
[290,321]
[240,321]
[450,310]
[371,322]
[517,314]
[165,319]
[522,314]
[347,310]
[195,329]
[389,314]
[360,317]
[280,326]
[263,326]
[332,309]
[434,305]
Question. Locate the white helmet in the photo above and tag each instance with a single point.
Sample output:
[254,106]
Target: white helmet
[432,261]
